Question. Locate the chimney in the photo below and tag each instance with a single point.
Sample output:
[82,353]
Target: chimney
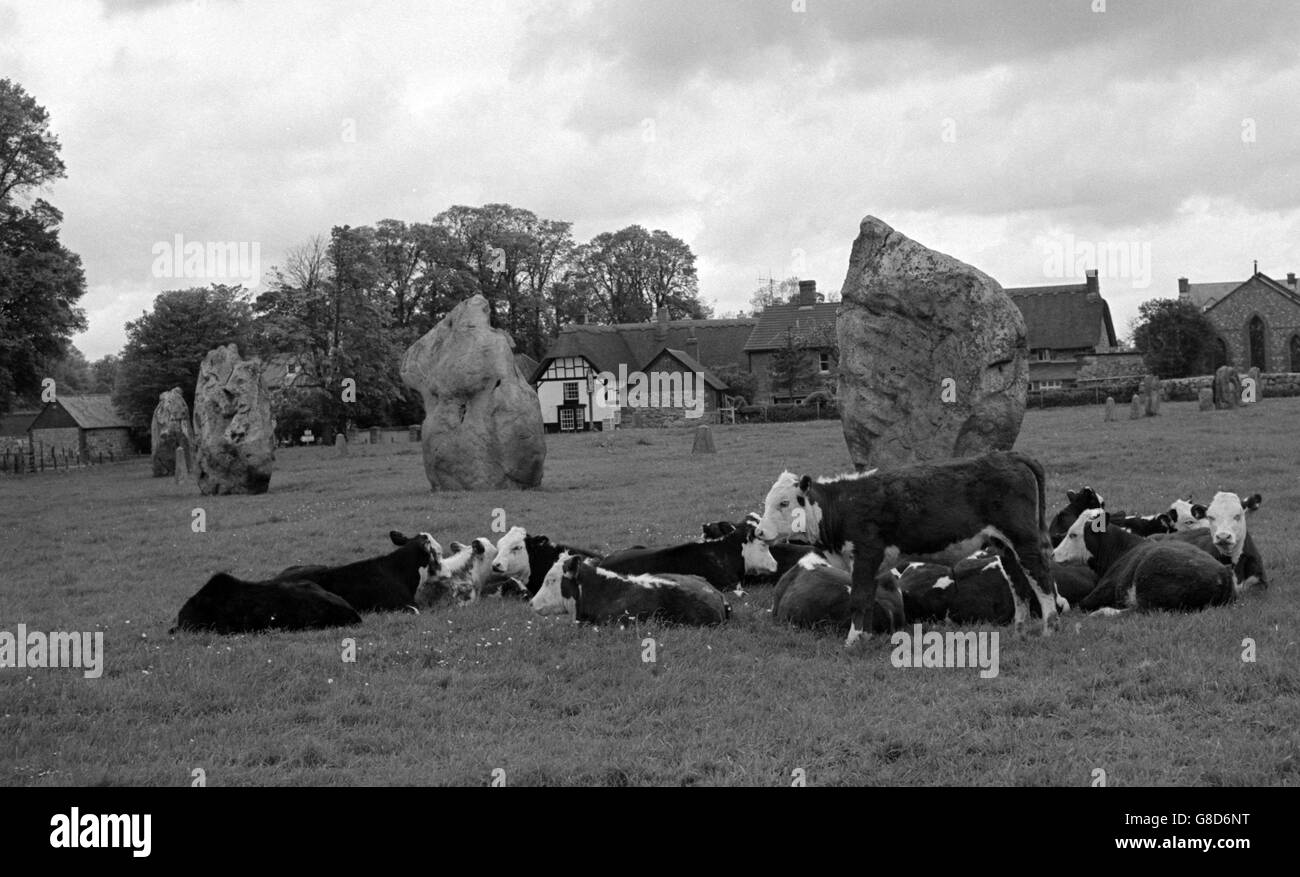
[1183,290]
[693,345]
[661,331]
[807,293]
[1094,288]
[1290,279]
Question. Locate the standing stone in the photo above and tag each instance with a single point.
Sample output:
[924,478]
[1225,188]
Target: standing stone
[1259,388]
[181,465]
[170,432]
[703,441]
[934,359]
[233,425]
[1151,395]
[1110,409]
[341,445]
[1135,407]
[482,422]
[1206,399]
[1227,387]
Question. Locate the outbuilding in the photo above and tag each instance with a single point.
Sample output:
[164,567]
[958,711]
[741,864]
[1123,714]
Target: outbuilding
[84,425]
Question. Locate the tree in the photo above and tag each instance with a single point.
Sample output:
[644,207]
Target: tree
[165,346]
[631,273]
[103,373]
[1175,338]
[71,372]
[29,153]
[773,293]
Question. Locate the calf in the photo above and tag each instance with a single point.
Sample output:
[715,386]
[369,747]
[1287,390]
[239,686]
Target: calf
[786,554]
[1224,535]
[1146,574]
[921,509]
[382,583]
[814,593]
[979,588]
[1076,503]
[576,586]
[230,605]
[722,562]
[465,574]
[527,559]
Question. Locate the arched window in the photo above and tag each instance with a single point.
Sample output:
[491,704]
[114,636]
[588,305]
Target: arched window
[1220,353]
[1295,353]
[1256,332]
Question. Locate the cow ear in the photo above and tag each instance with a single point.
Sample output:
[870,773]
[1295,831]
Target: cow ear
[1071,496]
[804,483]
[1252,502]
[1198,512]
[398,538]
[478,546]
[1167,519]
[456,547]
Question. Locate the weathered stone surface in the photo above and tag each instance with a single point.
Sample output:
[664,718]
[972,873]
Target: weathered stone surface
[934,361]
[1205,397]
[482,422]
[1151,395]
[1135,407]
[1227,387]
[233,427]
[1110,408]
[703,441]
[340,445]
[171,432]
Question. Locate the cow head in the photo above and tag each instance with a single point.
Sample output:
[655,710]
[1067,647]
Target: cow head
[1087,498]
[1073,547]
[754,551]
[512,555]
[430,552]
[717,530]
[1226,517]
[1187,515]
[558,593]
[779,508]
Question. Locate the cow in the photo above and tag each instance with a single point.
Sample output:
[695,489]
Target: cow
[1187,515]
[786,554]
[1144,574]
[527,559]
[724,562]
[1143,525]
[921,509]
[576,586]
[1223,534]
[1076,502]
[465,575]
[978,588]
[379,584]
[1074,581]
[230,605]
[817,594]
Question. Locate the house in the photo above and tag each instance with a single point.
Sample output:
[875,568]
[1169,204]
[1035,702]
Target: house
[782,330]
[1066,324]
[1257,320]
[663,372]
[82,425]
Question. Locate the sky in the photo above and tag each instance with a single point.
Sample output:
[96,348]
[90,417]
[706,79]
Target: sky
[1029,138]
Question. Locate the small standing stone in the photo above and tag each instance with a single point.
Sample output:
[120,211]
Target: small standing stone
[703,441]
[341,445]
[1110,409]
[182,468]
[1135,407]
[1206,399]
[1151,392]
[1227,387]
[1259,388]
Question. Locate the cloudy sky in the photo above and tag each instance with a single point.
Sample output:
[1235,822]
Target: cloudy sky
[1008,134]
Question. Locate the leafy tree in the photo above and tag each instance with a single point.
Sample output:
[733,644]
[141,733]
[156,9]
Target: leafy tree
[71,372]
[773,293]
[103,373]
[29,153]
[631,273]
[165,346]
[1175,338]
[795,365]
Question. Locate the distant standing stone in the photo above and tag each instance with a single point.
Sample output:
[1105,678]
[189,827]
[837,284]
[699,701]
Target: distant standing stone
[169,431]
[1206,399]
[1227,387]
[1110,408]
[1259,389]
[1135,407]
[341,445]
[703,441]
[1151,395]
[181,471]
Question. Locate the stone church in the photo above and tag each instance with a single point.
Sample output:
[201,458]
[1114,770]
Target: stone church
[1258,320]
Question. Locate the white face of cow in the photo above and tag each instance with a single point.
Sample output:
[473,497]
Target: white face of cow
[512,555]
[1072,548]
[549,599]
[433,555]
[485,554]
[1187,515]
[757,556]
[1226,518]
[779,508]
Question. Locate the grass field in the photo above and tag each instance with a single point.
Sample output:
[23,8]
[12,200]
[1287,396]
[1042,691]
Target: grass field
[451,696]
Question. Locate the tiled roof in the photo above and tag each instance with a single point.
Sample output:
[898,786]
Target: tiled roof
[720,343]
[1268,282]
[1205,294]
[769,334]
[92,412]
[1063,317]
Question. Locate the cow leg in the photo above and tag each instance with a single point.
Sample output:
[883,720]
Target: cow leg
[862,596]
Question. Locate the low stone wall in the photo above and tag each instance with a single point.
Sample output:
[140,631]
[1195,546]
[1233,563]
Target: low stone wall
[1173,390]
[1272,386]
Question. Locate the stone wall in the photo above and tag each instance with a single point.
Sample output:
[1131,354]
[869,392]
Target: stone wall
[1274,385]
[65,438]
[1172,390]
[109,442]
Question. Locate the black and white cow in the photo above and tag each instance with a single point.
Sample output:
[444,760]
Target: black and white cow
[1077,501]
[977,589]
[1187,515]
[786,554]
[527,559]
[577,587]
[723,562]
[465,575]
[1143,525]
[921,509]
[813,593]
[1074,581]
[381,583]
[1223,533]
[230,605]
[1137,573]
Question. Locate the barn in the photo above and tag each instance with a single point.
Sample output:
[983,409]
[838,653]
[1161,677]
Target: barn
[84,425]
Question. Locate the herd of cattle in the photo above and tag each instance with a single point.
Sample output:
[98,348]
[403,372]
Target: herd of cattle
[964,541]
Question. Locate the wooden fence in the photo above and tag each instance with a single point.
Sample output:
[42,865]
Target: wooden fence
[41,459]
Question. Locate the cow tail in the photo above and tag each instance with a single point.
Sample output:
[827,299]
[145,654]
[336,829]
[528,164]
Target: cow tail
[1041,477]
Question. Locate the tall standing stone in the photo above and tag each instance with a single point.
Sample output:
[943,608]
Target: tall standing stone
[1151,395]
[1110,408]
[1227,387]
[233,426]
[170,431]
[1135,407]
[934,359]
[1253,374]
[482,422]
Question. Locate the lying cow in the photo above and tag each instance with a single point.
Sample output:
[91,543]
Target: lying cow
[465,575]
[577,587]
[1223,534]
[786,554]
[921,509]
[1137,573]
[381,583]
[1074,581]
[1077,502]
[724,562]
[230,605]
[527,559]
[979,588]
[1187,515]
[1143,525]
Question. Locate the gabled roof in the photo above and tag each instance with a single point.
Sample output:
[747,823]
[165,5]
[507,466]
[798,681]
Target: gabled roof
[1203,295]
[1264,280]
[92,412]
[1063,317]
[692,365]
[769,334]
[720,343]
[526,364]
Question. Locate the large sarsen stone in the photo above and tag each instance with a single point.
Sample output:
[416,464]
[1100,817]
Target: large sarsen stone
[170,430]
[233,424]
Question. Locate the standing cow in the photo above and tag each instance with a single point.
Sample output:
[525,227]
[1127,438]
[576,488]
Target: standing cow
[921,509]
